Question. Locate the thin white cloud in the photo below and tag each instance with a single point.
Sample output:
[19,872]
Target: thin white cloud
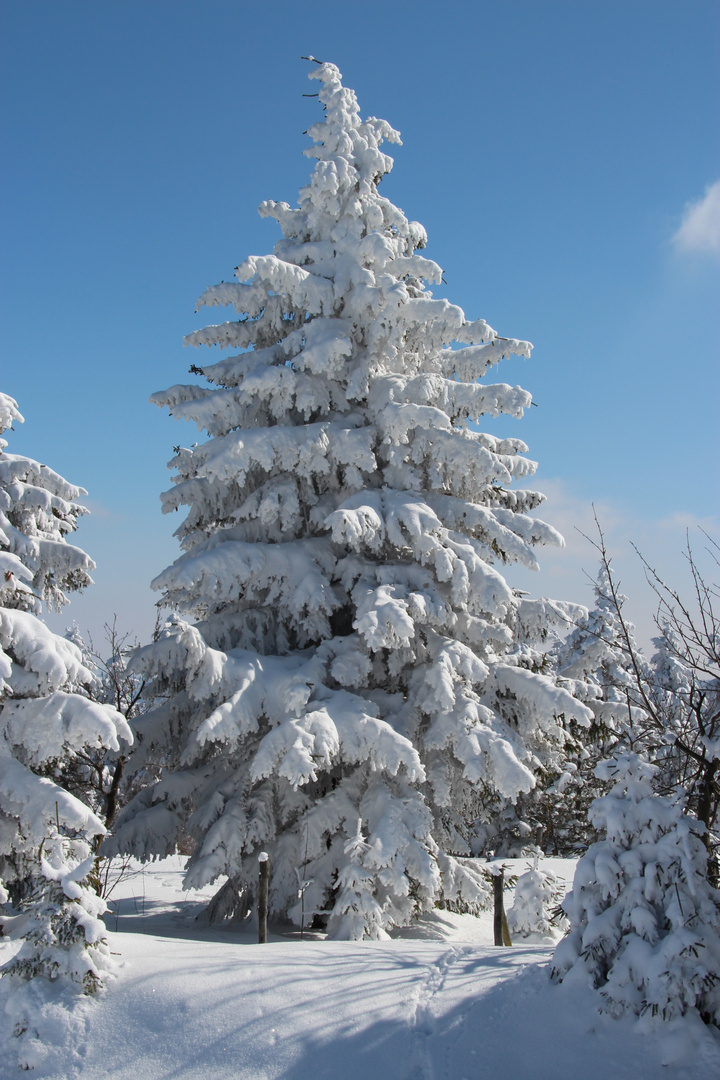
[700,226]
[567,573]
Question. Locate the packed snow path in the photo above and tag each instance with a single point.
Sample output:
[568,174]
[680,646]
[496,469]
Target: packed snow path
[438,1002]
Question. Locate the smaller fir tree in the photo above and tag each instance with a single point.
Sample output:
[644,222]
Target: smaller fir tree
[644,920]
[357,913]
[601,663]
[595,663]
[60,926]
[537,894]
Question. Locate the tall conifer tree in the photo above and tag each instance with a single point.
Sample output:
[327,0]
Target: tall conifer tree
[342,682]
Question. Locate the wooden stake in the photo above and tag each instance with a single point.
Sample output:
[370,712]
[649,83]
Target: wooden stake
[501,930]
[263,897]
[498,886]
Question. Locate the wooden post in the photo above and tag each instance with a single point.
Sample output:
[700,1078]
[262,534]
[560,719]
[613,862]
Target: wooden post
[507,940]
[501,930]
[263,897]
[498,886]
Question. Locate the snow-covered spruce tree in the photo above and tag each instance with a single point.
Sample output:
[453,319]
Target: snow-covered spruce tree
[537,894]
[597,661]
[644,920]
[595,664]
[62,934]
[47,723]
[352,655]
[356,912]
[514,827]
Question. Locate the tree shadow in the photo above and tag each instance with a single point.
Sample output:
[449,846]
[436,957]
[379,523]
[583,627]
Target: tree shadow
[372,1011]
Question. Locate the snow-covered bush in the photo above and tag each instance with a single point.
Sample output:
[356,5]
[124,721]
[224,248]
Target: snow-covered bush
[644,921]
[345,646]
[47,723]
[537,894]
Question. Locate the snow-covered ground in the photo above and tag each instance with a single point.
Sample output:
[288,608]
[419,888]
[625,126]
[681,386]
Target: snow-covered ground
[439,1002]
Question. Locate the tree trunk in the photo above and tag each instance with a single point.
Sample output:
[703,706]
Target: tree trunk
[705,814]
[111,799]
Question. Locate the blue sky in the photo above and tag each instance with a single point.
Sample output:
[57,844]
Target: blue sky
[552,150]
